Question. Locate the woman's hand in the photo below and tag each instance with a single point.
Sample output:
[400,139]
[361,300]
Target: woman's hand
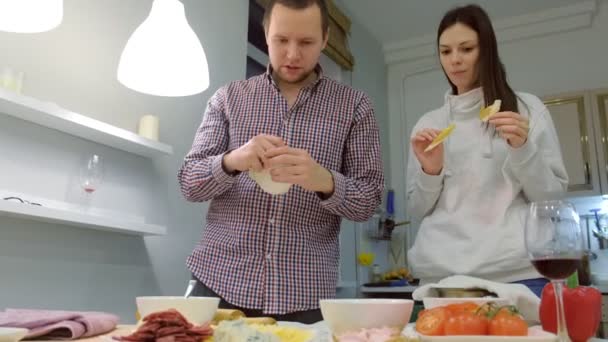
[431,161]
[511,126]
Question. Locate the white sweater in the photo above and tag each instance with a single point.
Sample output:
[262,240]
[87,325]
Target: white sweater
[473,214]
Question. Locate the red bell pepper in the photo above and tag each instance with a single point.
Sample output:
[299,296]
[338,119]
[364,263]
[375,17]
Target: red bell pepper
[583,309]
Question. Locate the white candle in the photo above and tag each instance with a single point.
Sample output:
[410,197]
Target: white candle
[7,78]
[12,80]
[18,85]
[148,127]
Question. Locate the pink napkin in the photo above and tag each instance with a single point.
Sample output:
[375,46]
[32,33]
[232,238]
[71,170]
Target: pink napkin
[59,325]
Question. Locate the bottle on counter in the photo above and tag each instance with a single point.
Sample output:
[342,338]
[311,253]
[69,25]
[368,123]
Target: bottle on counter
[376,274]
[583,270]
[389,221]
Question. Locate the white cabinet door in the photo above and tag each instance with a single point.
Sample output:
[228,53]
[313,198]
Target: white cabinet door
[421,93]
[572,116]
[600,105]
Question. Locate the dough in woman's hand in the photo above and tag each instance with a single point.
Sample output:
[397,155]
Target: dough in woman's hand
[264,180]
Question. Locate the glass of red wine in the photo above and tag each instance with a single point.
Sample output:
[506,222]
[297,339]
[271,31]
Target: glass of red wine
[91,173]
[555,246]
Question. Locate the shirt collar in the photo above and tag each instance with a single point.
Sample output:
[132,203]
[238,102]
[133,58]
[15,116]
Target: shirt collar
[318,70]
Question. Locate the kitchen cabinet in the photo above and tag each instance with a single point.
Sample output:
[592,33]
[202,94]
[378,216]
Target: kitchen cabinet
[600,108]
[578,120]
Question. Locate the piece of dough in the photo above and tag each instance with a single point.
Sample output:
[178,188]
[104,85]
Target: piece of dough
[264,180]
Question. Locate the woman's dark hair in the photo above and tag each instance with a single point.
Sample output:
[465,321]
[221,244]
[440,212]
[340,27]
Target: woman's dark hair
[492,75]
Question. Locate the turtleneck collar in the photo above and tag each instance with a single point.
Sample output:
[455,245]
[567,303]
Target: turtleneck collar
[464,104]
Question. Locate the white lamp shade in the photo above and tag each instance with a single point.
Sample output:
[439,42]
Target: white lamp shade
[30,16]
[164,56]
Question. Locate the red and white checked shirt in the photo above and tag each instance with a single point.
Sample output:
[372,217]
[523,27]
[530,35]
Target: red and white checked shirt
[280,254]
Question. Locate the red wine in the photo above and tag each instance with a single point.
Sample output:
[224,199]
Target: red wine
[89,190]
[556,268]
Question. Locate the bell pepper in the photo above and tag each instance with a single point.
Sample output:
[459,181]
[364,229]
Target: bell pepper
[583,309]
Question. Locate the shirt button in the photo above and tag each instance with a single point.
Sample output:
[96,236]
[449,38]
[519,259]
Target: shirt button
[271,221]
[268,256]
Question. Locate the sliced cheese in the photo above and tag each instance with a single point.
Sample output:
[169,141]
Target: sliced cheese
[486,113]
[440,138]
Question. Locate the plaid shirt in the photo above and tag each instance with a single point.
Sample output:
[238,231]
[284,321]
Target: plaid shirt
[280,254]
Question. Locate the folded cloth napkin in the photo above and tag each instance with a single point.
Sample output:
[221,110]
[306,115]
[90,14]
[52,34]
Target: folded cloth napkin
[59,325]
[519,295]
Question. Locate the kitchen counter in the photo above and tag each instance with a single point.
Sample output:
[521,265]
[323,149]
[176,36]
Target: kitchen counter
[123,330]
[602,289]
[320,328]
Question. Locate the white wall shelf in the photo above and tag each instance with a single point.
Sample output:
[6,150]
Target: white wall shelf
[52,116]
[80,219]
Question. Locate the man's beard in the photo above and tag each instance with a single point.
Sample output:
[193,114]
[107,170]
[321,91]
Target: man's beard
[299,79]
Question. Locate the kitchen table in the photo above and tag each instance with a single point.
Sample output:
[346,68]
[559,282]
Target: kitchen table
[321,329]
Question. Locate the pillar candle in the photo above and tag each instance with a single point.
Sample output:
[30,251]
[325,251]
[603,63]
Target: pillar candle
[148,127]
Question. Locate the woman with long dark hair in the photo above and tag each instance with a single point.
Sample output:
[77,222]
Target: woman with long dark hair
[470,193]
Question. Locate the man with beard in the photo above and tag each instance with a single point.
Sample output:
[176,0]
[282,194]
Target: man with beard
[278,255]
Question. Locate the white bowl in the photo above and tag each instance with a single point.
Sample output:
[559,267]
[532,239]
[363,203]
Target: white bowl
[344,315]
[196,310]
[12,334]
[432,302]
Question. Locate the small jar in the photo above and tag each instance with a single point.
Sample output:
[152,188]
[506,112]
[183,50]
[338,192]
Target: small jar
[376,274]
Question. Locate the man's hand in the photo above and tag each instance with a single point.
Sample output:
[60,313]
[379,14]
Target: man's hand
[296,166]
[251,155]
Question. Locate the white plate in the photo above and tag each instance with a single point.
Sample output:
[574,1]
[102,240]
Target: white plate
[12,334]
[535,334]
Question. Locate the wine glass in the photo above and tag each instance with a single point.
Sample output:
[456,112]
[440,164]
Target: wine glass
[91,174]
[555,246]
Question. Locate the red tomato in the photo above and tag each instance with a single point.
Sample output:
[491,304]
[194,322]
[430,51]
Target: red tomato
[422,312]
[509,310]
[432,322]
[505,324]
[466,323]
[466,307]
